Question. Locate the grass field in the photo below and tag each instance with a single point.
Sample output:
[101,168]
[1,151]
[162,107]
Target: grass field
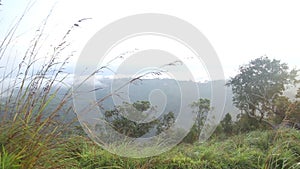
[257,149]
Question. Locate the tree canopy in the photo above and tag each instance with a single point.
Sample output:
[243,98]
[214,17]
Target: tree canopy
[201,108]
[258,84]
[117,118]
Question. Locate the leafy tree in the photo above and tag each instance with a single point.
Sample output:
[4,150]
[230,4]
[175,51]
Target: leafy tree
[120,117]
[141,105]
[227,124]
[292,113]
[202,108]
[140,109]
[295,115]
[166,122]
[286,110]
[258,84]
[281,106]
[225,128]
[245,124]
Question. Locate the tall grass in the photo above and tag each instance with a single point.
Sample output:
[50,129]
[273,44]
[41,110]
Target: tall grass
[254,150]
[30,131]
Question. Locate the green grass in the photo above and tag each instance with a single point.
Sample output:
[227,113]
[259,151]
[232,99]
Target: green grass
[258,149]
[23,147]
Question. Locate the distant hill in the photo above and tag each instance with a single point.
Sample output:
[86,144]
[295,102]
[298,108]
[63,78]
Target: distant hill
[158,91]
[153,89]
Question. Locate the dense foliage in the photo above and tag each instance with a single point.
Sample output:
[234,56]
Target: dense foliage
[258,84]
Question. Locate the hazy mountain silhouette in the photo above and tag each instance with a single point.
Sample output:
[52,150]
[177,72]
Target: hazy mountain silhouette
[167,90]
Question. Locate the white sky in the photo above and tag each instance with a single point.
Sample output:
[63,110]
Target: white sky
[238,30]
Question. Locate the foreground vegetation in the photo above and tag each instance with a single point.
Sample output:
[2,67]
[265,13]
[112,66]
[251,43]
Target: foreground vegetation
[256,149]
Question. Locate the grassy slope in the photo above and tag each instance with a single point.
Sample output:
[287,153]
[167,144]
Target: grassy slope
[258,149]
[39,143]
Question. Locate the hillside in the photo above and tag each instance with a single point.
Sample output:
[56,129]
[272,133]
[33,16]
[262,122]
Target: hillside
[257,149]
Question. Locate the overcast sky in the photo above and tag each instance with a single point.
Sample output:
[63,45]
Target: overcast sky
[238,30]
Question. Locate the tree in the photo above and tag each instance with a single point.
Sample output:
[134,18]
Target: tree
[225,128]
[166,122]
[290,109]
[245,124]
[227,124]
[258,84]
[295,114]
[202,107]
[281,106]
[140,110]
[117,118]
